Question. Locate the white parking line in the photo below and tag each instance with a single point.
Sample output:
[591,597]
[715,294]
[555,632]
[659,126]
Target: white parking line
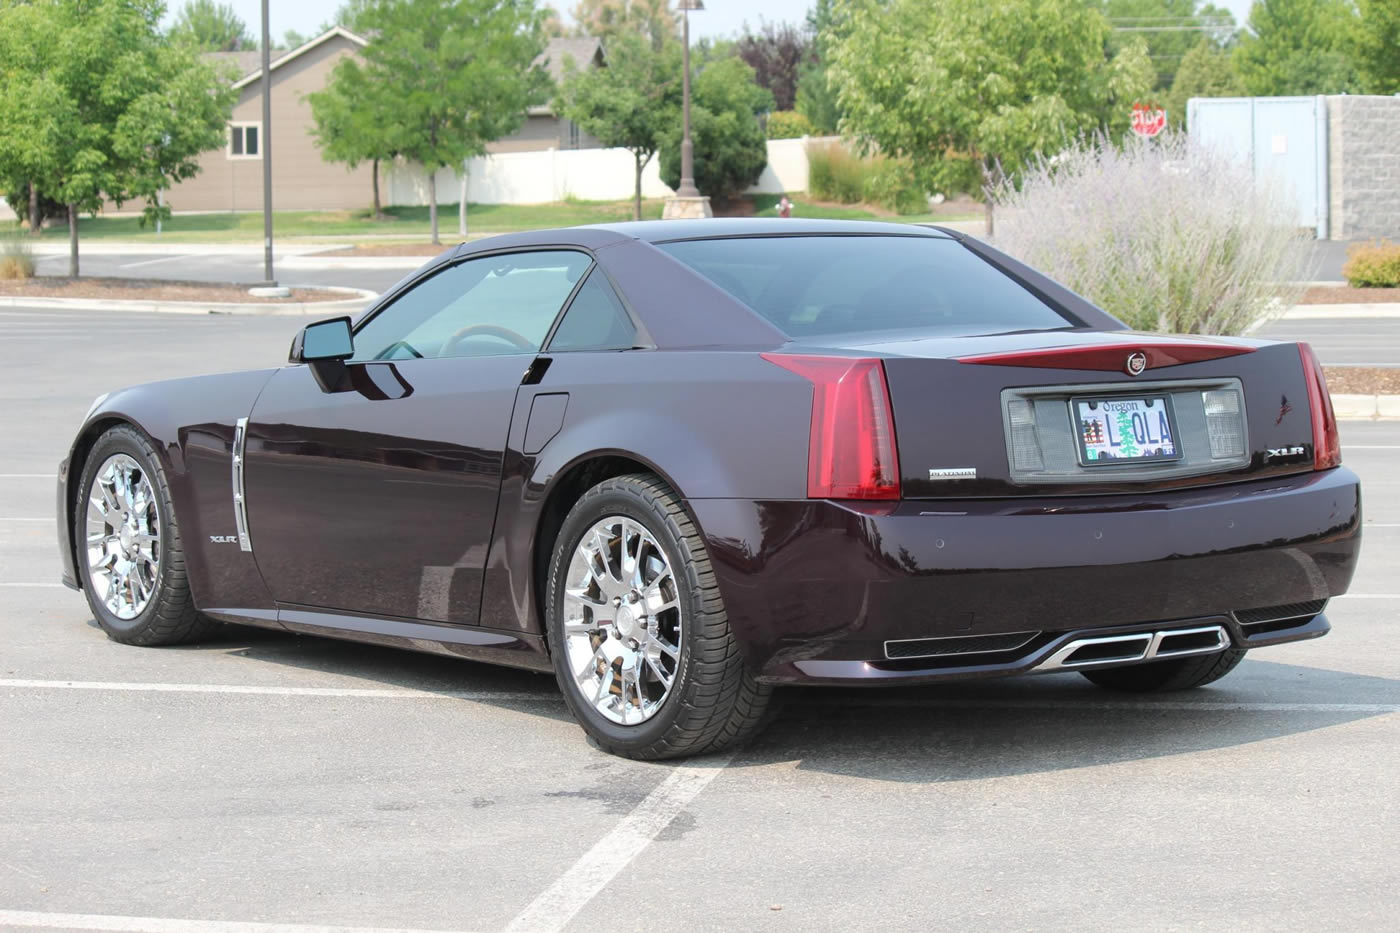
[28,476]
[597,867]
[50,921]
[153,262]
[37,586]
[13,518]
[272,690]
[1368,596]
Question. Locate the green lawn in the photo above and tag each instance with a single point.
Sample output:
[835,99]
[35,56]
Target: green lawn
[413,221]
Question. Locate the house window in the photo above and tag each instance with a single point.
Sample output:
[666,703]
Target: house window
[573,134]
[245,141]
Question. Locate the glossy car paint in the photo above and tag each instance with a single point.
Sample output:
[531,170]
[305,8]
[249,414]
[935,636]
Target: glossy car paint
[416,507]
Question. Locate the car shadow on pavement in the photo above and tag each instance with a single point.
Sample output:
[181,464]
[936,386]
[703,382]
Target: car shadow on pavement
[1053,722]
[949,732]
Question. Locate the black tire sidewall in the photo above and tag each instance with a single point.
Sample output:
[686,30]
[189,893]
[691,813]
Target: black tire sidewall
[124,441]
[589,511]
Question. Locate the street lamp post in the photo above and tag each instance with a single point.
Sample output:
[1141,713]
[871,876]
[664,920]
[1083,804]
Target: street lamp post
[688,202]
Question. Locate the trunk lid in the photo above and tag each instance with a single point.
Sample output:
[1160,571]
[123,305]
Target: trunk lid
[1001,415]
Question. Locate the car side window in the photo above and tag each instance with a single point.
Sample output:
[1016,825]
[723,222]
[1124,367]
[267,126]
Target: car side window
[595,320]
[490,306]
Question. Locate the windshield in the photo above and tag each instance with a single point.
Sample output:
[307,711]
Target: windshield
[818,285]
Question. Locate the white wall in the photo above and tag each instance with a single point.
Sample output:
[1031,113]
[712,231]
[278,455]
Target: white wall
[587,174]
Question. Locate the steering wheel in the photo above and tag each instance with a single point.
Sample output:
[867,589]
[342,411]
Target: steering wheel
[487,330]
[388,352]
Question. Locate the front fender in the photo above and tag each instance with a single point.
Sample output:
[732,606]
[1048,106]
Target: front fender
[190,424]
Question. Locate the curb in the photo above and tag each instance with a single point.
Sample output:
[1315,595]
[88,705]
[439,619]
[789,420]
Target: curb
[1383,309]
[1366,407]
[329,308]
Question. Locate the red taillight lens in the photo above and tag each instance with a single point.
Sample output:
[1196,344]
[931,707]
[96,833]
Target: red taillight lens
[851,452]
[1327,443]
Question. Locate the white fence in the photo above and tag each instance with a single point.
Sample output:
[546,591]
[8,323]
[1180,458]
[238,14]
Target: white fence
[587,174]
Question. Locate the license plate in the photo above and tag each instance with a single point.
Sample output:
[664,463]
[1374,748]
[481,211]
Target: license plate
[1125,430]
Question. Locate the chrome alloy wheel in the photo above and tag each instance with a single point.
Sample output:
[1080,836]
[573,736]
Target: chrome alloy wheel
[622,621]
[123,537]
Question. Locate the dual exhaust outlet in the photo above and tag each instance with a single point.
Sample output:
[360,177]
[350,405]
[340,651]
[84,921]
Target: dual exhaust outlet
[1139,646]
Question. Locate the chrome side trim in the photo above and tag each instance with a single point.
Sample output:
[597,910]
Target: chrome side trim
[1149,648]
[240,508]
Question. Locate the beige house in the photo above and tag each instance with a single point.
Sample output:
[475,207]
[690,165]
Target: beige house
[231,179]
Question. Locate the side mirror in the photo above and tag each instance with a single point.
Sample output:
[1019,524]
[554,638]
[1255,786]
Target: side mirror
[325,346]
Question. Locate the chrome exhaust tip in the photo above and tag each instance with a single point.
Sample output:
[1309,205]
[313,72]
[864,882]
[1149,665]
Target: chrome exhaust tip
[1136,648]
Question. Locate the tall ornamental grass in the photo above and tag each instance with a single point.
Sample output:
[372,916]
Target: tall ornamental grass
[834,173]
[16,257]
[1164,234]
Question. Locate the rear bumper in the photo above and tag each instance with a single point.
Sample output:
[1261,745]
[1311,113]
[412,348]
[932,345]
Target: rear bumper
[815,589]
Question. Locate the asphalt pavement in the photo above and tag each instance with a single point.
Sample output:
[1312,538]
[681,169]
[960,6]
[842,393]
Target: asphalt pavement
[269,782]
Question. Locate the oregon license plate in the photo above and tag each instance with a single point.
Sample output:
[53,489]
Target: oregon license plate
[1118,430]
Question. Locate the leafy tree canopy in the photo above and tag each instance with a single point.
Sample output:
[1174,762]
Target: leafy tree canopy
[631,102]
[211,27]
[95,103]
[1205,71]
[777,54]
[608,19]
[1377,43]
[1298,47]
[1171,28]
[455,75]
[963,86]
[730,148]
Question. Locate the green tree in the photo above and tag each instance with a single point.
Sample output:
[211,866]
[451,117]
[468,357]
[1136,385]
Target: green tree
[356,120]
[608,19]
[456,74]
[1377,43]
[628,104]
[1205,71]
[968,88]
[730,148]
[1298,47]
[1171,28]
[95,103]
[816,98]
[211,27]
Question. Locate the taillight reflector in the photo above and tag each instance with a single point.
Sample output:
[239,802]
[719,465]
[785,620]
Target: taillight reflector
[1327,442]
[851,452]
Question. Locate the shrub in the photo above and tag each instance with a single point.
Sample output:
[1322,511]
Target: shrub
[16,258]
[834,174]
[788,124]
[1373,265]
[1165,235]
[890,184]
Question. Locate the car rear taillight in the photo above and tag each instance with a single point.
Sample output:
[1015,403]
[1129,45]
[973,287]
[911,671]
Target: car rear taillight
[1327,443]
[851,451]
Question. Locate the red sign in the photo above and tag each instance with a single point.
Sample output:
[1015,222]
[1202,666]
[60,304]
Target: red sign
[1148,120]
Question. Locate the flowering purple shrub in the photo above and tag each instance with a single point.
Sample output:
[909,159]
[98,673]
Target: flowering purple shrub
[1162,233]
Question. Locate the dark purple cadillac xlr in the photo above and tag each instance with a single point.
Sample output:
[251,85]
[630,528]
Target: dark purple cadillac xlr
[681,463]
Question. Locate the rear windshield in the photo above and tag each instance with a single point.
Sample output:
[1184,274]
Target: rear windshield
[817,285]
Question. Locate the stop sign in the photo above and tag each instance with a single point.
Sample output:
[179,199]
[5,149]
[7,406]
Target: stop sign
[1148,120]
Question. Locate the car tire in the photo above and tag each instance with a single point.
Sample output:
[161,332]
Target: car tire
[1163,676]
[712,702]
[167,614]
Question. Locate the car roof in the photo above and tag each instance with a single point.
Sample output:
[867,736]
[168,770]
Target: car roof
[658,231]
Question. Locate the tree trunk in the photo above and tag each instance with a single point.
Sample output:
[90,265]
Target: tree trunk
[374,170]
[432,204]
[73,240]
[36,219]
[637,189]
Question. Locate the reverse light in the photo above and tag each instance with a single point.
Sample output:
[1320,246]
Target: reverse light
[1327,442]
[851,450]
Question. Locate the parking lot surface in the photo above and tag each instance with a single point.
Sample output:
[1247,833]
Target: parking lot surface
[266,781]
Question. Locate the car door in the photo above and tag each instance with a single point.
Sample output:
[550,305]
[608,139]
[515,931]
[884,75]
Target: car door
[378,496]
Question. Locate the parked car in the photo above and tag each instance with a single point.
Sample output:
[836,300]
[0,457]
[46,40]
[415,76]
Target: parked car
[679,464]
